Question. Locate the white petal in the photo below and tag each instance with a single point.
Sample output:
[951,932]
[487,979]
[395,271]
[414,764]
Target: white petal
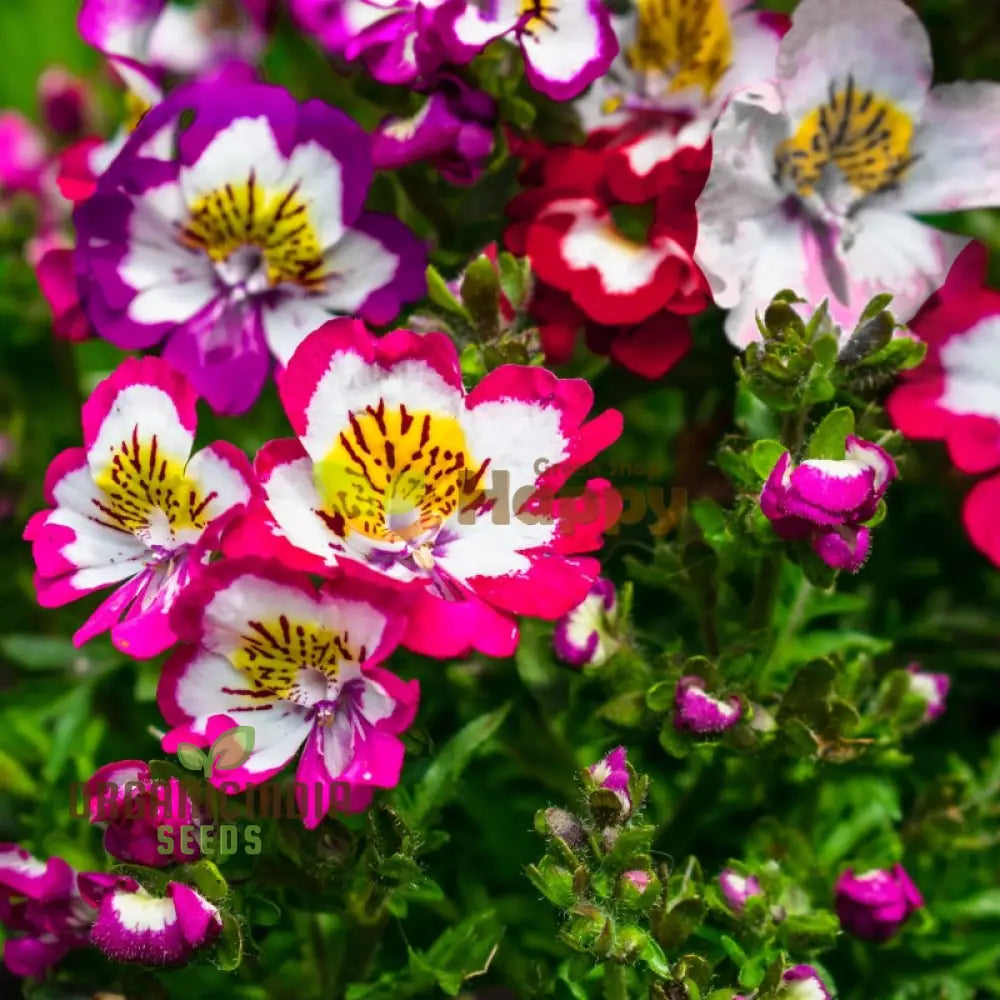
[971,362]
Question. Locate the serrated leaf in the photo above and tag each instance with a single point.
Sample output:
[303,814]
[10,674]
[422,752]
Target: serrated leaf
[828,440]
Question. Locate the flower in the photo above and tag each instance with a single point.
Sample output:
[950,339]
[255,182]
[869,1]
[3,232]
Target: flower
[803,982]
[132,809]
[827,501]
[132,925]
[453,131]
[400,475]
[134,507]
[57,279]
[665,90]
[611,772]
[22,154]
[66,102]
[585,635]
[565,46]
[630,289]
[816,178]
[300,667]
[244,240]
[41,905]
[738,888]
[953,395]
[875,905]
[933,688]
[696,711]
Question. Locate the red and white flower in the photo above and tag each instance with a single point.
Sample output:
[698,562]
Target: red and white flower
[133,508]
[266,649]
[400,474]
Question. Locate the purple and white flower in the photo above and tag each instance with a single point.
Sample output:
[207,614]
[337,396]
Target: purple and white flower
[696,711]
[874,906]
[933,688]
[237,234]
[803,982]
[132,925]
[827,501]
[738,888]
[611,772]
[586,635]
[816,179]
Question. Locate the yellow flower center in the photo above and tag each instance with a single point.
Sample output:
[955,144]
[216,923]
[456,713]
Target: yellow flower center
[272,655]
[684,43]
[866,136]
[395,476]
[275,223]
[141,481]
[540,9]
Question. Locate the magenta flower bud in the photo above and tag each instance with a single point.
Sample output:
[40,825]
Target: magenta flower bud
[64,100]
[803,983]
[738,888]
[584,636]
[132,808]
[610,772]
[696,711]
[874,906]
[638,879]
[827,501]
[933,688]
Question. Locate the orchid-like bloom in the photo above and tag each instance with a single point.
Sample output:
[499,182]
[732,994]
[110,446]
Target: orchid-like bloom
[585,635]
[566,46]
[124,800]
[42,910]
[237,233]
[400,474]
[815,179]
[954,395]
[302,668]
[696,711]
[132,925]
[133,508]
[875,905]
[738,888]
[827,501]
[611,772]
[803,982]
[933,688]
[453,131]
[678,64]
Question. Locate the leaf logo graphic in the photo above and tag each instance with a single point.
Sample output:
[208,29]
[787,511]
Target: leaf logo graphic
[228,752]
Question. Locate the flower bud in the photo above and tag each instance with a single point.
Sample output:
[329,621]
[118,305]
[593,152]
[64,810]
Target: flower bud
[695,711]
[875,905]
[562,824]
[803,983]
[585,636]
[738,888]
[610,773]
[933,688]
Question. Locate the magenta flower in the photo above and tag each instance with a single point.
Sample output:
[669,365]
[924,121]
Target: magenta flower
[66,102]
[134,926]
[237,235]
[451,497]
[22,155]
[610,772]
[42,910]
[696,711]
[453,131]
[57,279]
[803,982]
[738,888]
[875,905]
[265,649]
[584,635]
[933,688]
[827,501]
[134,508]
[124,801]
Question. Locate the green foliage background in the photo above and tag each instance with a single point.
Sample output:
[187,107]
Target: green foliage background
[926,594]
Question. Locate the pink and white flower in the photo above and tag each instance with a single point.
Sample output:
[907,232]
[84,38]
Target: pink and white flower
[816,178]
[400,474]
[874,906]
[611,772]
[933,688]
[803,982]
[133,508]
[237,234]
[132,925]
[677,66]
[300,666]
[586,634]
[696,711]
[566,46]
[827,501]
[738,888]
[42,910]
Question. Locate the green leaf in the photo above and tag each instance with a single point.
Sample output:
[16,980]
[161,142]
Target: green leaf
[208,880]
[481,297]
[14,779]
[828,440]
[229,950]
[191,757]
[514,277]
[39,652]
[439,782]
[652,954]
[440,294]
[660,697]
[764,456]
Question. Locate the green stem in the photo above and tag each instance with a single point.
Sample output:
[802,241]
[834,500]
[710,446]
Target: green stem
[615,982]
